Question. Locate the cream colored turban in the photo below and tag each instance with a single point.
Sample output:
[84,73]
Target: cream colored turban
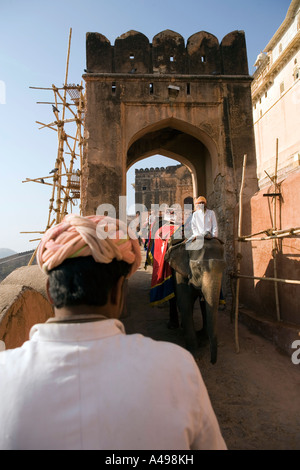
[200,199]
[101,237]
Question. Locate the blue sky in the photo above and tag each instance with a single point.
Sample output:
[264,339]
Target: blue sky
[33,49]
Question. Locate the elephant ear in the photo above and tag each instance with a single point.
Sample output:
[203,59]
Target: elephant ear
[178,258]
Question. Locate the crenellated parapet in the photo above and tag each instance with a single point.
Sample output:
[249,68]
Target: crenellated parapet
[169,169]
[132,53]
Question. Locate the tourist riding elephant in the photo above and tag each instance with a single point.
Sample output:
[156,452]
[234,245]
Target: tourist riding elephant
[198,266]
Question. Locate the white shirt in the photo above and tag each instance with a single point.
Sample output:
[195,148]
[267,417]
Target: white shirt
[203,222]
[89,386]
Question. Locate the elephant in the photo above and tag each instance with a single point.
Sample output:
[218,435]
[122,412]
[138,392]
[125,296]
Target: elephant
[198,266]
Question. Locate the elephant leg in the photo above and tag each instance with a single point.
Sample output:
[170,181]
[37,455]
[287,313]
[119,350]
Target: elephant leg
[211,285]
[185,299]
[203,312]
[173,314]
[202,334]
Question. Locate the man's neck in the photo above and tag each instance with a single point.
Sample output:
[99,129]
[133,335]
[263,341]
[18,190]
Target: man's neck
[83,311]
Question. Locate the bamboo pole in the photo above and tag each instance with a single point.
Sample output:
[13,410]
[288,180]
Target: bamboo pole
[52,102]
[66,199]
[274,243]
[57,180]
[277,235]
[32,257]
[81,108]
[43,88]
[67,71]
[38,180]
[36,231]
[239,256]
[45,125]
[285,281]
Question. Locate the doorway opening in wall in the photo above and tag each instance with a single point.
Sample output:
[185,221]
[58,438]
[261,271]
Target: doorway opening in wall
[159,181]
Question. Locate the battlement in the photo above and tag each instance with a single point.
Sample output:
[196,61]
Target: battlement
[168,169]
[133,53]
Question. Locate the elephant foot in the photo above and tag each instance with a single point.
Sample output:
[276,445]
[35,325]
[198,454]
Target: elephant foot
[202,336]
[213,351]
[213,358]
[193,347]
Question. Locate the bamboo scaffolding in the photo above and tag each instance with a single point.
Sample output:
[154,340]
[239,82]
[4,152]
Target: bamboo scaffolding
[66,181]
[273,234]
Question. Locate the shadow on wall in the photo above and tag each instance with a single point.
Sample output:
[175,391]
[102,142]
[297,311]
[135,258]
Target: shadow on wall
[289,298]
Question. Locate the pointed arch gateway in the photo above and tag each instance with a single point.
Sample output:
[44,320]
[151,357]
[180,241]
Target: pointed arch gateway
[178,140]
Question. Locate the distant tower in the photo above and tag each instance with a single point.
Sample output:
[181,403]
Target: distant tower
[171,185]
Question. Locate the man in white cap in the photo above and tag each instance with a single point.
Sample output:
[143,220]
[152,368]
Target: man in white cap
[81,383]
[204,222]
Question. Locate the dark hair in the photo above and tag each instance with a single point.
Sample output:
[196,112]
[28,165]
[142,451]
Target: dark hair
[82,281]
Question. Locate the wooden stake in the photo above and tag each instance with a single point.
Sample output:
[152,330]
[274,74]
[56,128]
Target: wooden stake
[239,256]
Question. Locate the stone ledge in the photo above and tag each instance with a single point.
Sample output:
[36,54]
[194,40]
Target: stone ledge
[281,334]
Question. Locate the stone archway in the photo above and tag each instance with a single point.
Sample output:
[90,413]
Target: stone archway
[174,139]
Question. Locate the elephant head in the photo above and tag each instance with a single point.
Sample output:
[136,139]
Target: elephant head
[198,272]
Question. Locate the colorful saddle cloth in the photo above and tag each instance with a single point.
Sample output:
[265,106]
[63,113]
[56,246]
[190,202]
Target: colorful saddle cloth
[162,286]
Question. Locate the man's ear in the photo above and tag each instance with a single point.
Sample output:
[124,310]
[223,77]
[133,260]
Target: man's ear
[48,292]
[116,295]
